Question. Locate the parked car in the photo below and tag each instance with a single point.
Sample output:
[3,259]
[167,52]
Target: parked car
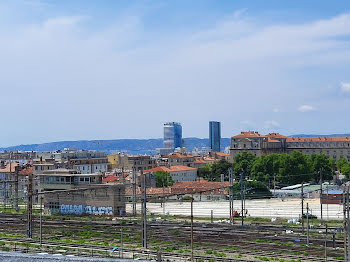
[311,216]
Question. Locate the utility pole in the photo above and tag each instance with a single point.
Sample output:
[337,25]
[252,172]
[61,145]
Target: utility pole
[30,207]
[192,228]
[242,198]
[41,221]
[321,195]
[231,193]
[144,212]
[308,227]
[348,222]
[16,188]
[134,191]
[123,178]
[345,230]
[222,186]
[302,207]
[325,244]
[121,239]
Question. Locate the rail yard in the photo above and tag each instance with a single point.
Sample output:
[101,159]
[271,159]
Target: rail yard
[169,237]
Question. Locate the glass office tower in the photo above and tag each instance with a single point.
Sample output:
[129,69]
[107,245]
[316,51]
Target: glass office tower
[172,135]
[214,135]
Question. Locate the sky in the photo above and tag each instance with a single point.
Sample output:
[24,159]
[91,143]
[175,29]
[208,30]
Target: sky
[75,70]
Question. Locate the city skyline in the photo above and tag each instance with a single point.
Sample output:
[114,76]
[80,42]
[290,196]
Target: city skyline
[71,70]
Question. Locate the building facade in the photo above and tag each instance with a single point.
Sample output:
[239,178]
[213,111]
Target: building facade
[176,159]
[98,200]
[215,136]
[66,179]
[257,144]
[172,135]
[178,173]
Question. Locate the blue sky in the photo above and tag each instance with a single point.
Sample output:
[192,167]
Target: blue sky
[72,70]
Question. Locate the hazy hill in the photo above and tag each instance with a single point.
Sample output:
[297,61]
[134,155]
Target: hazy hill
[303,135]
[133,146]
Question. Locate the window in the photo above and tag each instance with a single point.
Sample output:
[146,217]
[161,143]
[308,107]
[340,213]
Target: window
[54,205]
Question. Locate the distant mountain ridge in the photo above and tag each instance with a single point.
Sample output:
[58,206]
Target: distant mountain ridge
[133,146]
[304,135]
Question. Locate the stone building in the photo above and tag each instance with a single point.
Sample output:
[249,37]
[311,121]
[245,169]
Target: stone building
[257,144]
[128,162]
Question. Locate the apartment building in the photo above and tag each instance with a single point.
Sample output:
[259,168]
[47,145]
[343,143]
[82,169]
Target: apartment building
[176,159]
[178,173]
[64,179]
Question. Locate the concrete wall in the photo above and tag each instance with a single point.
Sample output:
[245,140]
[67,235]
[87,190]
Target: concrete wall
[180,176]
[103,200]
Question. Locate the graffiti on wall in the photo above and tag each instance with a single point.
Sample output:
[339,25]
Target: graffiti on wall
[85,210]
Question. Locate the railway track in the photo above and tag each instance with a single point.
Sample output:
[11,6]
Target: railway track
[221,236]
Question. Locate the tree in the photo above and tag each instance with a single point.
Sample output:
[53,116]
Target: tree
[163,179]
[298,168]
[266,168]
[219,168]
[346,170]
[341,163]
[205,172]
[324,164]
[212,172]
[243,163]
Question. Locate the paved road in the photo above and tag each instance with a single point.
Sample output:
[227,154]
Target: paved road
[269,208]
[19,257]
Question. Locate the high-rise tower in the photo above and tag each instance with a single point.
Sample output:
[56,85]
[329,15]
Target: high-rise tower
[214,135]
[172,135]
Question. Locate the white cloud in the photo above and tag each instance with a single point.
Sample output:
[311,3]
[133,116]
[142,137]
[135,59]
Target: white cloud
[247,123]
[271,124]
[345,87]
[306,108]
[65,64]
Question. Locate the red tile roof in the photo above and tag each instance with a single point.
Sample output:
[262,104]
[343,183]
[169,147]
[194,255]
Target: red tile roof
[7,168]
[276,135]
[190,187]
[249,134]
[272,137]
[181,188]
[182,168]
[26,171]
[178,155]
[222,154]
[170,169]
[112,178]
[319,139]
[158,168]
